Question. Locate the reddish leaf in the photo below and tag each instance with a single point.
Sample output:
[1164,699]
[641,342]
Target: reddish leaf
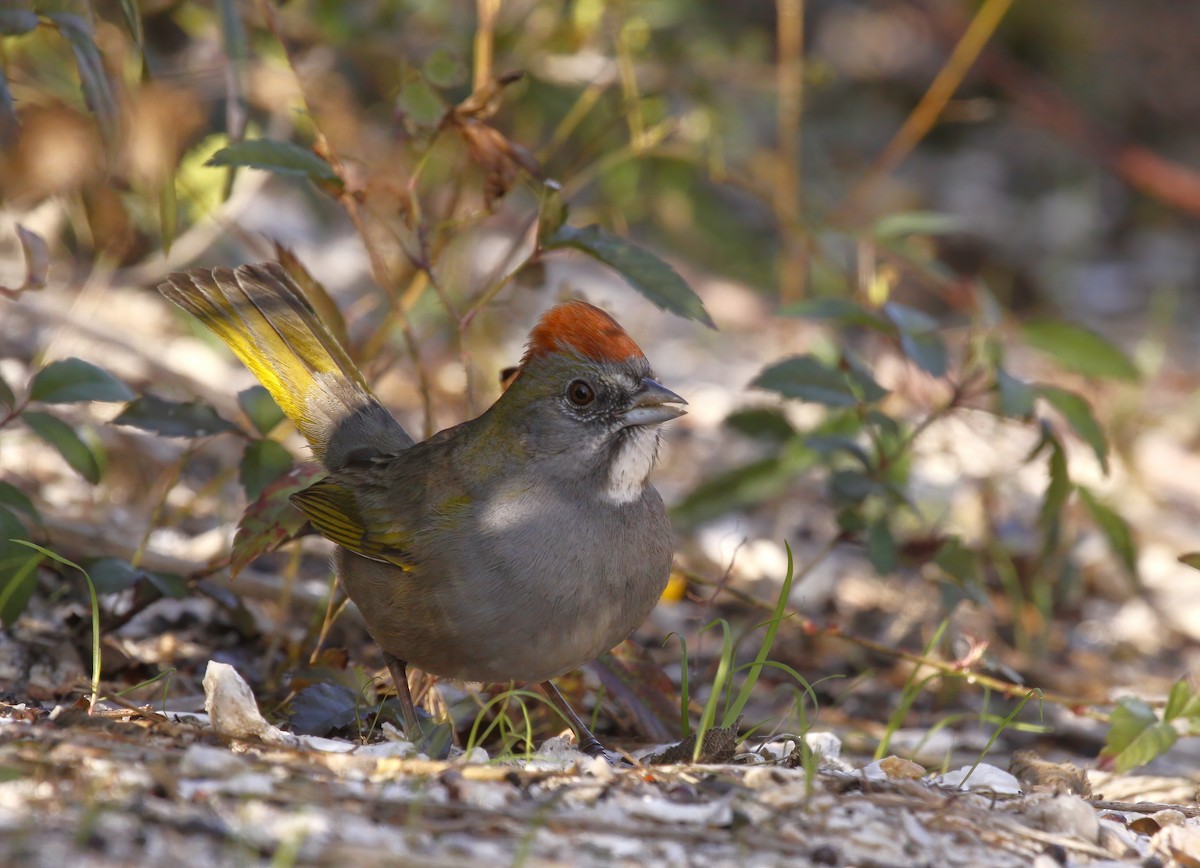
[271,520]
[640,687]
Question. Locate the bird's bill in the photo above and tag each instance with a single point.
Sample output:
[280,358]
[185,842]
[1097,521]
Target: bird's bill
[652,405]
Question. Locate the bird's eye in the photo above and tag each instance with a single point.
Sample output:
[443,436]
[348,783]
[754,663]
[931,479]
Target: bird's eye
[580,393]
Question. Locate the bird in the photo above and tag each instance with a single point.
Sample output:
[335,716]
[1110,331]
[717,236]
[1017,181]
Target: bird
[516,546]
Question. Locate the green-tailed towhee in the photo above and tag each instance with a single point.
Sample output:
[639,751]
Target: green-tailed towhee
[516,546]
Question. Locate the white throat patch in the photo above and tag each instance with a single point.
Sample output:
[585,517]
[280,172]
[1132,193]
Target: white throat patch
[631,466]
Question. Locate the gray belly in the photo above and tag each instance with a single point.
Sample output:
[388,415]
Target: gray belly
[498,604]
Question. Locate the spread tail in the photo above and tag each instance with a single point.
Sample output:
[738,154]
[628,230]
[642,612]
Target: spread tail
[264,318]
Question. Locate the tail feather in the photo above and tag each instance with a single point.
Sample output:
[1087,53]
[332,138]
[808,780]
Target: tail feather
[259,312]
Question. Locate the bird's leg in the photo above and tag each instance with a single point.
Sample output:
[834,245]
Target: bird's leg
[588,743]
[399,670]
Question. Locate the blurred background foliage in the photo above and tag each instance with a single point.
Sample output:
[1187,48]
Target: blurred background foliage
[924,191]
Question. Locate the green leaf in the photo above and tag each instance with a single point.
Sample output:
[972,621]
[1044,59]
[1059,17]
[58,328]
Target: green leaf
[1178,700]
[842,311]
[263,462]
[1130,717]
[881,547]
[1115,529]
[13,497]
[113,575]
[1191,559]
[1151,743]
[830,444]
[93,78]
[751,484]
[169,584]
[18,566]
[1058,488]
[258,405]
[909,319]
[552,211]
[133,20]
[76,380]
[849,487]
[919,338]
[1079,349]
[444,68]
[958,561]
[1015,396]
[1078,413]
[63,438]
[15,22]
[7,398]
[173,418]
[420,102]
[761,423]
[895,226]
[282,158]
[810,379]
[644,271]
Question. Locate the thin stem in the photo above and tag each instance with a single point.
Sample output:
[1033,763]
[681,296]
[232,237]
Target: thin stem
[788,193]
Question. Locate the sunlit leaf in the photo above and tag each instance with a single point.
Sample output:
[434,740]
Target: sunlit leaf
[895,226]
[1079,349]
[1078,413]
[258,405]
[644,271]
[173,418]
[263,462]
[72,380]
[1129,718]
[68,444]
[1178,700]
[1115,529]
[282,158]
[93,78]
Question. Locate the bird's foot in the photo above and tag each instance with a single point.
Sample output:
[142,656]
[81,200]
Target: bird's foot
[592,747]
